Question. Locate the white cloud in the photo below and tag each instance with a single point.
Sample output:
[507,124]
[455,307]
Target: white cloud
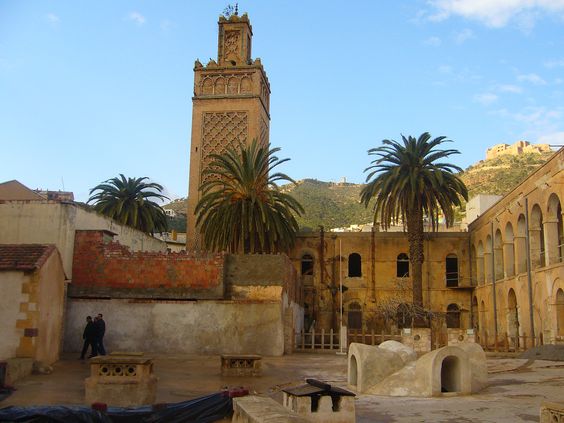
[444,69]
[496,13]
[554,63]
[53,19]
[433,41]
[464,35]
[533,78]
[555,138]
[486,98]
[509,88]
[136,17]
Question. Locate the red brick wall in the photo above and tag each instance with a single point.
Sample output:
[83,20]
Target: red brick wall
[99,262]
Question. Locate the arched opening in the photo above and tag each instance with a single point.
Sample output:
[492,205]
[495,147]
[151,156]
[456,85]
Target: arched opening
[403,316]
[498,255]
[512,317]
[509,251]
[451,270]
[536,232]
[453,316]
[353,371]
[219,87]
[355,265]
[553,230]
[488,260]
[521,245]
[402,266]
[354,316]
[451,374]
[474,266]
[307,265]
[474,315]
[207,86]
[480,270]
[560,312]
[483,321]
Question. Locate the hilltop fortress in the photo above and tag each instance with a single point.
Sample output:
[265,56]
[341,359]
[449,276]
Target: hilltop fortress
[516,149]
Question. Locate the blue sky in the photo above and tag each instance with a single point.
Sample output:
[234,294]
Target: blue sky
[89,90]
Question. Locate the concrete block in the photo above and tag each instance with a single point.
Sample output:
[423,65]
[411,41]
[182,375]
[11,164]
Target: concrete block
[18,368]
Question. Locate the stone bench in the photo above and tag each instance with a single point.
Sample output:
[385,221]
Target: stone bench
[122,381]
[551,412]
[253,409]
[240,365]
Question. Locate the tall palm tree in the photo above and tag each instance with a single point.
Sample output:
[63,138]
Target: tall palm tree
[131,201]
[409,183]
[241,208]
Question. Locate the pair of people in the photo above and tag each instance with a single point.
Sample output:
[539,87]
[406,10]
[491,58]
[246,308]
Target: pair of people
[93,336]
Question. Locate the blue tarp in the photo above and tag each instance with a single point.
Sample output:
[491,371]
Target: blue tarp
[202,410]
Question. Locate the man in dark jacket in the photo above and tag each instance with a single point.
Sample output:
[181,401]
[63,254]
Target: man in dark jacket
[89,336]
[100,331]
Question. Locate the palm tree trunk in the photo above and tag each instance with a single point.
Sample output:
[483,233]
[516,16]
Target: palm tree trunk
[415,238]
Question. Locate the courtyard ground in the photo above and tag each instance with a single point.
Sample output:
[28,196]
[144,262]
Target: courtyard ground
[517,387]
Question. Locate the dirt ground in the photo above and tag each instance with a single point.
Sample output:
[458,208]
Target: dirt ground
[517,387]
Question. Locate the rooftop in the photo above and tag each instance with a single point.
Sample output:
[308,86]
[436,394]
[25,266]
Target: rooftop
[24,256]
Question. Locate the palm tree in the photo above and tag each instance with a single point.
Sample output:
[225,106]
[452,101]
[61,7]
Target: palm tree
[409,184]
[241,208]
[131,201]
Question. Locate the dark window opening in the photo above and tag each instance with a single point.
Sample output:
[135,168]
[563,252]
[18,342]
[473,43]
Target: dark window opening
[307,265]
[402,266]
[451,268]
[355,265]
[453,316]
[354,316]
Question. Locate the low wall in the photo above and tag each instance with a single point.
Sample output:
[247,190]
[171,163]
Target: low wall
[104,268]
[194,327]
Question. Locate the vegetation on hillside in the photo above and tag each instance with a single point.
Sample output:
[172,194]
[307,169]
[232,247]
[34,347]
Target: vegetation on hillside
[334,205]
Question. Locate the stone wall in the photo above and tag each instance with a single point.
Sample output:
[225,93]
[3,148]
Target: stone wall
[10,301]
[190,327]
[104,268]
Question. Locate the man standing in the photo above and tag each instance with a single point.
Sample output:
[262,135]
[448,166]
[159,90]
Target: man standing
[89,336]
[100,331]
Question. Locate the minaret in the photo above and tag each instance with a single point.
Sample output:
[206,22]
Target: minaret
[230,106]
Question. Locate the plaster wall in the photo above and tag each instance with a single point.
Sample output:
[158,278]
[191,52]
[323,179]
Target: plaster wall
[51,222]
[50,302]
[9,312]
[194,327]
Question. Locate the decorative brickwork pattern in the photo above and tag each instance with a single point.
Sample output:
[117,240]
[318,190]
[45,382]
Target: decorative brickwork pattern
[232,42]
[222,131]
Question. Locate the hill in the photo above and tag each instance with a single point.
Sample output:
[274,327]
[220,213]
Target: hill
[334,205]
[501,174]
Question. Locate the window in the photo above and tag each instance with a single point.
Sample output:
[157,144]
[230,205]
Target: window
[451,270]
[402,266]
[307,265]
[453,316]
[354,316]
[355,265]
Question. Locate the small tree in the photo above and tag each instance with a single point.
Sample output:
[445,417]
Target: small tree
[131,201]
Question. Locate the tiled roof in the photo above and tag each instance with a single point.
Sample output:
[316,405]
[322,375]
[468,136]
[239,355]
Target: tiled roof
[24,256]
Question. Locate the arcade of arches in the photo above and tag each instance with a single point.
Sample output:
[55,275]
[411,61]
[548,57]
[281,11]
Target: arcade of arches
[460,270]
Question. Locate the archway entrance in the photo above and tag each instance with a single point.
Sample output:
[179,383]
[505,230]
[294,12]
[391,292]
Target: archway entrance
[353,372]
[512,318]
[451,374]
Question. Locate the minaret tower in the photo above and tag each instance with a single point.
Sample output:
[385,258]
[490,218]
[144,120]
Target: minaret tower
[230,106]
